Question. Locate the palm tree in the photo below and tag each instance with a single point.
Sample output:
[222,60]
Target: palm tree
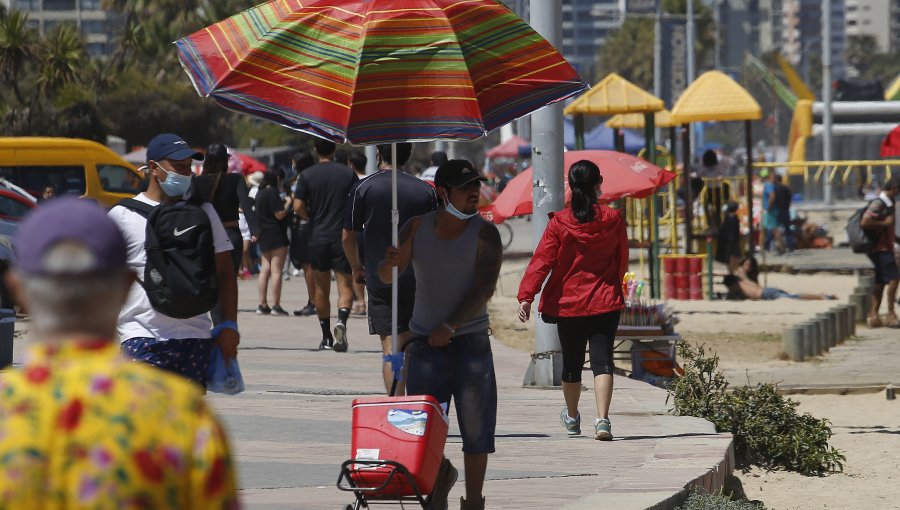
[17,46]
[61,58]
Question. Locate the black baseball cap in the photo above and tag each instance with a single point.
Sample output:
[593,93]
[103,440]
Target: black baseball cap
[456,173]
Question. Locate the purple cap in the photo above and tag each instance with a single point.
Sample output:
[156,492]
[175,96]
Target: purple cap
[69,219]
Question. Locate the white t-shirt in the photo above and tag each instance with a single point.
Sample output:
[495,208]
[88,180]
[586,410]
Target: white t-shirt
[138,318]
[428,174]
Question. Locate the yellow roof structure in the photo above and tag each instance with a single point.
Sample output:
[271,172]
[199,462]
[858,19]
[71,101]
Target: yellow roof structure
[613,95]
[661,119]
[715,97]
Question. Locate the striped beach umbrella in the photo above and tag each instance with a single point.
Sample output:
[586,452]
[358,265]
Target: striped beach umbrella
[379,71]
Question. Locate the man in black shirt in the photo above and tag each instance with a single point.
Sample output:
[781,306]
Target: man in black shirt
[781,202]
[369,211]
[320,196]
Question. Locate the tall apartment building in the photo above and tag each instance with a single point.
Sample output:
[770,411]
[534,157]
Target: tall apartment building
[95,24]
[802,34]
[895,26]
[869,17]
[585,25]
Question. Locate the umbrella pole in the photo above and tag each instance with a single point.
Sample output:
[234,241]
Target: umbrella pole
[396,357]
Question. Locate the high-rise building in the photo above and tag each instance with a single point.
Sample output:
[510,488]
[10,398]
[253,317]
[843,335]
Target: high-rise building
[895,26]
[802,35]
[869,17]
[585,25]
[95,24]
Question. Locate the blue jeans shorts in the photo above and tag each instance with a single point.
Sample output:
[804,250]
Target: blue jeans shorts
[463,371]
[187,357]
[769,293]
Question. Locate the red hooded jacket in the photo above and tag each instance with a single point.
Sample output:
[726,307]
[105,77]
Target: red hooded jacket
[586,263]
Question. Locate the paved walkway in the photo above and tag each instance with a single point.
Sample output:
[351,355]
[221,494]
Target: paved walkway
[291,428]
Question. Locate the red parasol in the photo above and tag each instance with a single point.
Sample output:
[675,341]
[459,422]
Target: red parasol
[623,176]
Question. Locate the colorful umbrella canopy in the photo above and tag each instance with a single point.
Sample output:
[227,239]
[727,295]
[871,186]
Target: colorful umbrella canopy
[890,146]
[623,176]
[379,71]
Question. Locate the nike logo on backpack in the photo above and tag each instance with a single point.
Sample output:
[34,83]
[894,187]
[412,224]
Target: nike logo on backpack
[179,232]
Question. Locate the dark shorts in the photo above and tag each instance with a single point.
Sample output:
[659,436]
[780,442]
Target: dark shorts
[329,257]
[885,267]
[379,309]
[188,357]
[463,371]
[300,245]
[272,240]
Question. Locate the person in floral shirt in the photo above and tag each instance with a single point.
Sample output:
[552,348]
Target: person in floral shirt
[82,427]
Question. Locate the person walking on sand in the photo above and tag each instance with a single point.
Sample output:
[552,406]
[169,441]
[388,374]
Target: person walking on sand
[456,256]
[879,220]
[584,251]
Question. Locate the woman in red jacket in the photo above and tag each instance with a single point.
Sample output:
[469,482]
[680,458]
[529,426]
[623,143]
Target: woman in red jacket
[584,251]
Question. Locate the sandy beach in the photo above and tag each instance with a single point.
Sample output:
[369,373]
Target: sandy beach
[747,335]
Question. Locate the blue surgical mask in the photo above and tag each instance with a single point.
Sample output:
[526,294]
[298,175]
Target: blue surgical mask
[175,185]
[459,214]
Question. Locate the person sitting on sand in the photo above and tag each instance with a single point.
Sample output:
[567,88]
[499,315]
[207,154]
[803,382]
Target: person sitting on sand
[743,283]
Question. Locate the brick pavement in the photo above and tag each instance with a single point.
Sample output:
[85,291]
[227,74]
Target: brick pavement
[291,428]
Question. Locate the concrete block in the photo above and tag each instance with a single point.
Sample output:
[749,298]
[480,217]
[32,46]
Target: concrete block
[858,301]
[811,339]
[866,281]
[833,329]
[793,340]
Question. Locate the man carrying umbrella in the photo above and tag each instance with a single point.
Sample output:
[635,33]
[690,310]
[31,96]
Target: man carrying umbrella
[456,256]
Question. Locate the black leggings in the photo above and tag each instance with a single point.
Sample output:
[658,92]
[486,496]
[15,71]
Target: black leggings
[576,332]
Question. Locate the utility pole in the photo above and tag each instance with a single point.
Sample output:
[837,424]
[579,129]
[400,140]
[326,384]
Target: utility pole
[657,56]
[689,29]
[826,97]
[371,159]
[547,197]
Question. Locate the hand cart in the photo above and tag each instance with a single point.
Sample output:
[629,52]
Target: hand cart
[396,449]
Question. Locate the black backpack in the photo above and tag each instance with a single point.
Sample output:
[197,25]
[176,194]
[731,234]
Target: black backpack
[180,274]
[860,239]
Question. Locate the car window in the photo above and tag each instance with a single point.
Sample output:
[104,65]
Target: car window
[12,209]
[118,179]
[66,180]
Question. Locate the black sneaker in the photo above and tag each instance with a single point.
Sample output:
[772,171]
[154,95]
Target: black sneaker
[278,310]
[327,344]
[263,310]
[306,311]
[340,338]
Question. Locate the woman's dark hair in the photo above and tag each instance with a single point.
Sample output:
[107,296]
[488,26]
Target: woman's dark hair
[710,158]
[584,176]
[753,272]
[269,179]
[302,160]
[216,159]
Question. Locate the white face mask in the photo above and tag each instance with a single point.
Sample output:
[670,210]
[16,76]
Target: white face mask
[450,208]
[175,185]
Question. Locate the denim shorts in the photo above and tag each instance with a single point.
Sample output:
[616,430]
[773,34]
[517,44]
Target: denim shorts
[464,370]
[769,293]
[188,357]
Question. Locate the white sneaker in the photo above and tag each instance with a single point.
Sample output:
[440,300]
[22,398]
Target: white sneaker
[296,272]
[572,425]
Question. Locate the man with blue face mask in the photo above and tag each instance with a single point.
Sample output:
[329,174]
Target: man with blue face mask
[456,256]
[181,346]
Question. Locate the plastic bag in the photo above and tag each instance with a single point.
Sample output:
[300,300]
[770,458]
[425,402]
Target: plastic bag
[223,377]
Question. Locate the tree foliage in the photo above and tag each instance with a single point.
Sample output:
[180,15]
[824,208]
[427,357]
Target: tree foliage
[52,87]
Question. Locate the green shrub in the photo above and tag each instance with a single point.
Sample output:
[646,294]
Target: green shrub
[699,500]
[768,431]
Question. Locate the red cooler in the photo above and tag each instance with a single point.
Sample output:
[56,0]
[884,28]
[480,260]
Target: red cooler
[408,430]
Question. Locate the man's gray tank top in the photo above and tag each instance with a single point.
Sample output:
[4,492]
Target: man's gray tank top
[445,273]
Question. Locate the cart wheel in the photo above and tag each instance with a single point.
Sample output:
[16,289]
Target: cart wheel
[348,507]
